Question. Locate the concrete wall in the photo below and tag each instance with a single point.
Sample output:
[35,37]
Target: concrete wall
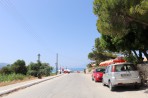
[143,69]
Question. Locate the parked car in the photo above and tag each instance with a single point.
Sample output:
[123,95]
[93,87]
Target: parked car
[121,75]
[66,71]
[97,74]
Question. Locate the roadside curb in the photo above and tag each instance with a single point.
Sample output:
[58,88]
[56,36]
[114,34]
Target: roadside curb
[4,92]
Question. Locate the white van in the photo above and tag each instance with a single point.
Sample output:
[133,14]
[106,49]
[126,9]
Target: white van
[121,74]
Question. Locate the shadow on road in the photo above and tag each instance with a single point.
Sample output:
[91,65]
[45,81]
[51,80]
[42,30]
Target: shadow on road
[130,88]
[98,82]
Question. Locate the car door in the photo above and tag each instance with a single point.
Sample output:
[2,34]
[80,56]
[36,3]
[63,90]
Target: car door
[105,76]
[109,75]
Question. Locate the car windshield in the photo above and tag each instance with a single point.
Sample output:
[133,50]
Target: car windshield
[125,67]
[100,70]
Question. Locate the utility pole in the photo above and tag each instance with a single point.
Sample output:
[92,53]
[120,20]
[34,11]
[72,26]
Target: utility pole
[60,69]
[39,57]
[39,63]
[57,64]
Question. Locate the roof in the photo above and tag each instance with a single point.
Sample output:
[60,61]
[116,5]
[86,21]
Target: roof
[112,61]
[122,63]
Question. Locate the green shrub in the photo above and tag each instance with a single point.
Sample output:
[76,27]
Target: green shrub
[32,73]
[11,77]
[6,70]
[43,69]
[19,67]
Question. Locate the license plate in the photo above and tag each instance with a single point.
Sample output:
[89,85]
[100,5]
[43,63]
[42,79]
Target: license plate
[125,75]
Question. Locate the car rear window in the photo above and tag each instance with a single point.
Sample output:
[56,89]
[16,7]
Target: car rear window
[125,67]
[100,70]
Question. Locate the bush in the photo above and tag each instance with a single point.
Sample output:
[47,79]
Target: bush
[19,67]
[6,70]
[36,69]
[33,69]
[32,73]
[45,69]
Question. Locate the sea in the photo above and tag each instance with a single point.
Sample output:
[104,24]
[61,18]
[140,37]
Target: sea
[72,69]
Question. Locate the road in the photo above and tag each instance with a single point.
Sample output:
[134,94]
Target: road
[75,85]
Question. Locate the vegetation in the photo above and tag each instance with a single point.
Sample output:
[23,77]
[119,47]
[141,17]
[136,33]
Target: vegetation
[19,67]
[19,71]
[123,25]
[11,77]
[99,53]
[6,70]
[35,69]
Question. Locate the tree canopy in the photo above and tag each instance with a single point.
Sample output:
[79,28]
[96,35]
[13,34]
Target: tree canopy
[19,67]
[99,53]
[115,16]
[35,69]
[123,25]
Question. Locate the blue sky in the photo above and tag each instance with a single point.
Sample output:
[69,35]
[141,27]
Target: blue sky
[29,27]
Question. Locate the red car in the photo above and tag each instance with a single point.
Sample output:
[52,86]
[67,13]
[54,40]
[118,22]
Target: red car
[98,74]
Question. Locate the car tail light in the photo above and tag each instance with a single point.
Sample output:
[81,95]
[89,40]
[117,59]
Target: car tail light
[113,68]
[120,83]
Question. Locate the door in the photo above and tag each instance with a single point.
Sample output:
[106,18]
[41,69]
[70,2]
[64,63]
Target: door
[105,76]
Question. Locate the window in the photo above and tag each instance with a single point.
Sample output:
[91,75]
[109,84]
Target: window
[100,70]
[125,67]
[106,70]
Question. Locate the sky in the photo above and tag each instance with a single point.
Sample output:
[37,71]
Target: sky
[47,27]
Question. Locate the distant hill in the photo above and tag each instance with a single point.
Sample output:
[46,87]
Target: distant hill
[3,64]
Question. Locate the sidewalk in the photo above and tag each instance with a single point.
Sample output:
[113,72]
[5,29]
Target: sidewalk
[11,88]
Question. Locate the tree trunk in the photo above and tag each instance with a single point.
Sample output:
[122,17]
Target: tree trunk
[129,52]
[140,56]
[131,18]
[137,20]
[136,54]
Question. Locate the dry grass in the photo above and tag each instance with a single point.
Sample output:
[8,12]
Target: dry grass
[16,81]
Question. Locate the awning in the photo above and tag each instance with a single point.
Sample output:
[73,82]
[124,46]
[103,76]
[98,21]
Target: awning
[119,60]
[116,60]
[106,63]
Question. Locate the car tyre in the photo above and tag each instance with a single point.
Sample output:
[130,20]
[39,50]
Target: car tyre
[95,80]
[103,83]
[92,79]
[137,86]
[111,86]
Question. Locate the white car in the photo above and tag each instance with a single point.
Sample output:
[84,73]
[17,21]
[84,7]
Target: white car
[121,74]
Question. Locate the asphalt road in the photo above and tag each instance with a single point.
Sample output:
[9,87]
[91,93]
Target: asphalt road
[76,85]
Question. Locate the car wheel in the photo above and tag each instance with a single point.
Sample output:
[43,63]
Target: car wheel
[92,79]
[111,86]
[103,83]
[136,86]
[95,80]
